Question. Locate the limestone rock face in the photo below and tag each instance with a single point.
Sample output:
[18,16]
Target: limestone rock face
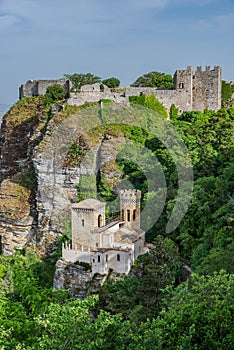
[38,181]
[77,279]
[19,134]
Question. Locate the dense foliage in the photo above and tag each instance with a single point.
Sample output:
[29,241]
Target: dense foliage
[111,82]
[53,94]
[152,308]
[197,314]
[227,92]
[151,102]
[155,79]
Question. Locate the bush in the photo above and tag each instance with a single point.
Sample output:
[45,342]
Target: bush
[111,82]
[53,94]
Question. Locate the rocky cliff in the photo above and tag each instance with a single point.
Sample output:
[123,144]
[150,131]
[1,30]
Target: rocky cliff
[47,161]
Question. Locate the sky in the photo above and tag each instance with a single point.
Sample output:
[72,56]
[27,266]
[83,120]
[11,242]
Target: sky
[44,39]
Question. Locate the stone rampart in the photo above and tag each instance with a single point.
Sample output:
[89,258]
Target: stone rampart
[193,90]
[38,87]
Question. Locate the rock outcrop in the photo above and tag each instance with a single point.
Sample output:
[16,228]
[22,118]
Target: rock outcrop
[41,175]
[77,279]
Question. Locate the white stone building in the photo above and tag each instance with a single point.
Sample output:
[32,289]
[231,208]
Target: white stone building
[115,245]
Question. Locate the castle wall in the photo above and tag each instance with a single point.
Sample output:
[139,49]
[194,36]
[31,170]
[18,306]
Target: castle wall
[83,224]
[74,255]
[123,265]
[100,263]
[108,236]
[117,260]
[39,87]
[138,248]
[94,93]
[193,90]
[207,88]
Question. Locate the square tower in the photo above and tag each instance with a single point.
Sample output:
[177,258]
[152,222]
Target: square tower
[130,201]
[87,216]
[207,85]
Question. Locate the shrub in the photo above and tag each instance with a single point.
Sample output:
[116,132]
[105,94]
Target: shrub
[53,94]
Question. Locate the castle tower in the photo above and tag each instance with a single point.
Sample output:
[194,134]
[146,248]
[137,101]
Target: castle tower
[207,87]
[130,208]
[87,216]
[183,85]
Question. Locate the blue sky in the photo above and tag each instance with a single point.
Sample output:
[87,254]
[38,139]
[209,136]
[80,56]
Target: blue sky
[43,39]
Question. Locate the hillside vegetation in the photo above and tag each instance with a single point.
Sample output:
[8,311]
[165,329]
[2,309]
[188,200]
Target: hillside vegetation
[154,307]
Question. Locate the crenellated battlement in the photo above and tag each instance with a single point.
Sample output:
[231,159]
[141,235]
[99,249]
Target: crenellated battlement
[130,194]
[207,69]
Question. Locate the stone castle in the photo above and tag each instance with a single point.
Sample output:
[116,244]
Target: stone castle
[114,245]
[193,90]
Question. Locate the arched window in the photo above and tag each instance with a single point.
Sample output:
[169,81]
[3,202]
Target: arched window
[99,220]
[118,257]
[128,214]
[134,215]
[82,222]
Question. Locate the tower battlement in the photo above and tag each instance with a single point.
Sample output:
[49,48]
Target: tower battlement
[207,69]
[130,194]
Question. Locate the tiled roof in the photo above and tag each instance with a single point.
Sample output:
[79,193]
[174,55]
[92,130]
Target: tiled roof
[88,204]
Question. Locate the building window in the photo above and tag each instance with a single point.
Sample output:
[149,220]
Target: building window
[122,214]
[134,214]
[99,258]
[128,214]
[93,260]
[99,220]
[96,245]
[82,222]
[106,258]
[181,85]
[118,257]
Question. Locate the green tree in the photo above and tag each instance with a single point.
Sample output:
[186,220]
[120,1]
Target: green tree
[174,112]
[161,267]
[120,296]
[139,298]
[199,314]
[53,94]
[80,79]
[155,79]
[153,103]
[227,92]
[111,82]
[150,101]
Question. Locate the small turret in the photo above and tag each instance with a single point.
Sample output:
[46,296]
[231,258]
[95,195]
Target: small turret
[130,208]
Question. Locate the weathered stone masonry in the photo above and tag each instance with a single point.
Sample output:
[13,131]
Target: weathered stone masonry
[193,90]
[38,87]
[115,245]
